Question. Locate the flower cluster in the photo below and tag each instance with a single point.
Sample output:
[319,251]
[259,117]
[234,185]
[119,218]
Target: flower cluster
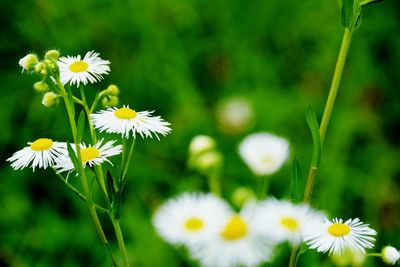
[215,235]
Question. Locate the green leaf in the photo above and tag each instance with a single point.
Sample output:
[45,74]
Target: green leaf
[73,157]
[81,126]
[312,122]
[117,205]
[369,2]
[110,187]
[296,181]
[71,101]
[347,18]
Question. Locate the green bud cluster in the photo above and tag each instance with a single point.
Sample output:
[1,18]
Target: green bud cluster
[203,154]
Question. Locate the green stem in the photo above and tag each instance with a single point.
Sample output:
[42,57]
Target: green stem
[330,102]
[126,166]
[120,239]
[262,187]
[214,181]
[374,255]
[335,83]
[85,184]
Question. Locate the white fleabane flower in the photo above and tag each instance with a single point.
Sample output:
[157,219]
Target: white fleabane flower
[282,220]
[90,155]
[126,121]
[238,243]
[74,70]
[41,153]
[264,153]
[336,236]
[191,218]
[390,255]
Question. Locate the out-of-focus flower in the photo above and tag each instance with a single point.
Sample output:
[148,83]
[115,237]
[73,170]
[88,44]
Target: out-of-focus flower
[237,244]
[282,220]
[234,115]
[390,255]
[191,218]
[264,153]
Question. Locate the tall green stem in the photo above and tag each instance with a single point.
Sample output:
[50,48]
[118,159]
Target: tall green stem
[85,184]
[120,239]
[325,121]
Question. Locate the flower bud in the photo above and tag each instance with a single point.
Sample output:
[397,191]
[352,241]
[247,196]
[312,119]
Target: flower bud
[50,64]
[390,255]
[41,87]
[241,195]
[28,62]
[52,55]
[39,67]
[207,161]
[201,144]
[110,101]
[112,90]
[349,257]
[50,99]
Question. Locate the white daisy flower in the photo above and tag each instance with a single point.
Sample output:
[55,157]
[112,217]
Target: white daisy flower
[264,153]
[238,243]
[90,155]
[336,236]
[125,121]
[390,255]
[41,153]
[282,220]
[75,70]
[190,218]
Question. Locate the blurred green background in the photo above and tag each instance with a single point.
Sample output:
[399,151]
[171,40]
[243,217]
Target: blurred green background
[183,59]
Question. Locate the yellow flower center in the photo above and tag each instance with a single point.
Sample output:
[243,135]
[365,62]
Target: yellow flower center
[42,144]
[78,66]
[194,224]
[236,228]
[339,229]
[89,153]
[290,223]
[125,113]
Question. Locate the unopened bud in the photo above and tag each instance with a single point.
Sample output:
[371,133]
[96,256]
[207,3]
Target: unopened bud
[110,101]
[52,55]
[207,161]
[201,144]
[50,64]
[28,62]
[390,255]
[39,67]
[112,90]
[50,99]
[241,195]
[41,87]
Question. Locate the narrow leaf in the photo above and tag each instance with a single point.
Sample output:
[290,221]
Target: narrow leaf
[71,101]
[73,157]
[368,2]
[81,126]
[347,13]
[117,205]
[110,187]
[312,122]
[296,181]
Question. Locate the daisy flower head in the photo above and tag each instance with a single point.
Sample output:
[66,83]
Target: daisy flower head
[264,153]
[90,155]
[126,121]
[390,255]
[282,220]
[74,70]
[190,218]
[41,153]
[336,236]
[238,243]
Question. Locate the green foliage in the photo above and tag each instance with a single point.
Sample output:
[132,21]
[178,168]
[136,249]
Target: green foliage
[181,58]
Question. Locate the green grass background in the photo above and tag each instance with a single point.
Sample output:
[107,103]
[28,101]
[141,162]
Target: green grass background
[181,58]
